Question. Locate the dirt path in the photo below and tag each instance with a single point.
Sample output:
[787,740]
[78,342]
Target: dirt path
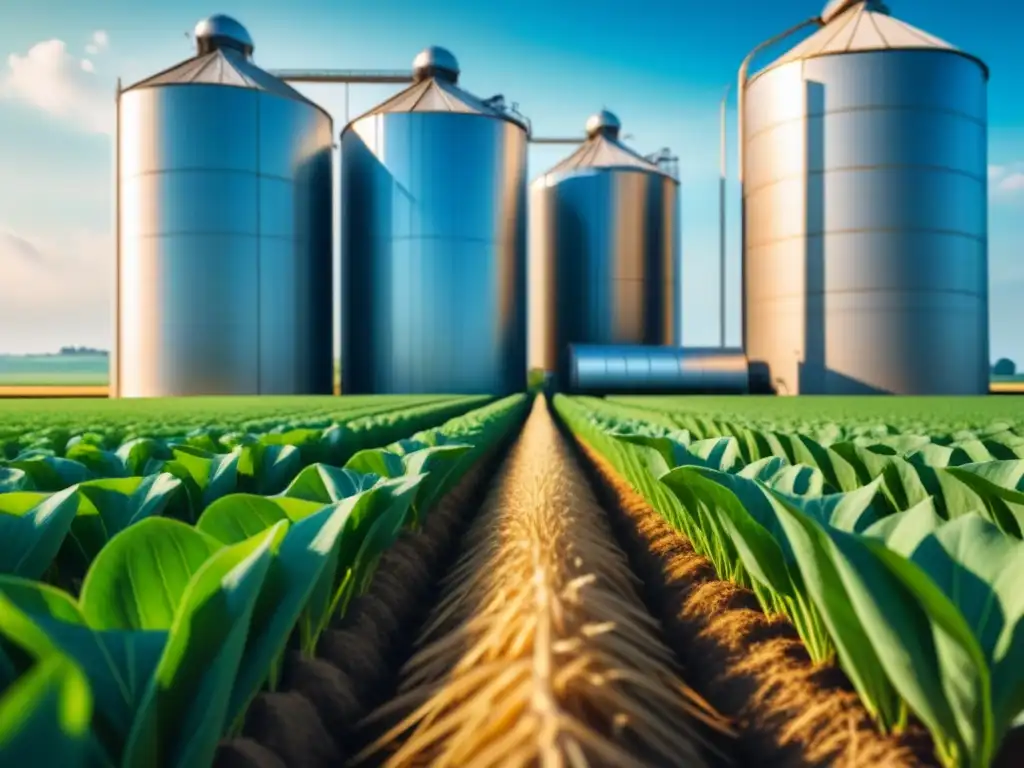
[541,651]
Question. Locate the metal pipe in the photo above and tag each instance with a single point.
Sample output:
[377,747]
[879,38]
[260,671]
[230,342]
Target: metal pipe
[722,176]
[744,69]
[741,80]
[361,76]
[553,140]
[114,364]
[604,369]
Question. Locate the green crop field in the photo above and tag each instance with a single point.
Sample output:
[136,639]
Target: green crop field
[54,370]
[442,579]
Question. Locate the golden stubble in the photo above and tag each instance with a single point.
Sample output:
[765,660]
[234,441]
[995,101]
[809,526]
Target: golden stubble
[540,651]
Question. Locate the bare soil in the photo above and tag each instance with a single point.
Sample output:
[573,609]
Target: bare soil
[57,390]
[751,668]
[310,720]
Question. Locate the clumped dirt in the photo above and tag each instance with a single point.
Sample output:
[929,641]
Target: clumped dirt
[754,669]
[309,722]
[1011,753]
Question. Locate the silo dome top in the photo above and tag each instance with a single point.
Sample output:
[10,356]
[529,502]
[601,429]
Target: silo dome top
[436,61]
[604,123]
[220,31]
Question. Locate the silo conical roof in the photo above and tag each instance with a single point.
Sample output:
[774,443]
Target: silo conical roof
[225,47]
[862,25]
[436,72]
[603,149]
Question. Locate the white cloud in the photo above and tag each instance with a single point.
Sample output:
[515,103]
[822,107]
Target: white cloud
[56,290]
[99,41]
[1006,179]
[51,79]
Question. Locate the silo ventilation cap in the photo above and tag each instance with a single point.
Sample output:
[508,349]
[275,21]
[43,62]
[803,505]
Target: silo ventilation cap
[435,61]
[604,123]
[838,7]
[220,31]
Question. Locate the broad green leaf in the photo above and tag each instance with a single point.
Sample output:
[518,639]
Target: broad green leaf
[437,465]
[32,528]
[50,473]
[326,484]
[201,660]
[304,555]
[141,575]
[852,512]
[720,453]
[137,454]
[45,716]
[997,484]
[774,472]
[920,637]
[239,516]
[108,506]
[317,612]
[903,531]
[897,445]
[267,469]
[376,461]
[118,665]
[671,446]
[810,533]
[382,530]
[215,474]
[15,480]
[100,463]
[980,570]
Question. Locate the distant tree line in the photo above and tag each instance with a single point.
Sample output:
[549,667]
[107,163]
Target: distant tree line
[1004,367]
[82,351]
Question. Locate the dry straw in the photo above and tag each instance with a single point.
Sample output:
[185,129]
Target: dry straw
[540,652]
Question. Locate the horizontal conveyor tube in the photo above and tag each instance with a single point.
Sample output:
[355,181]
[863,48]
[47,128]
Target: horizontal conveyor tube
[637,369]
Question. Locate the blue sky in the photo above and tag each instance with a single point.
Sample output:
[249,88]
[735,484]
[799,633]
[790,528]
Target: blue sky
[661,65]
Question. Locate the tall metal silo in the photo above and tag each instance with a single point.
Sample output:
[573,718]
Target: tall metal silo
[434,241]
[604,250]
[865,265]
[224,229]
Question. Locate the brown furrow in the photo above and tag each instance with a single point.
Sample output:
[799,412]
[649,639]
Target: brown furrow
[310,721]
[575,674]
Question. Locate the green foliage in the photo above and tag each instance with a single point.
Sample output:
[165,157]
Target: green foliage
[898,553]
[130,636]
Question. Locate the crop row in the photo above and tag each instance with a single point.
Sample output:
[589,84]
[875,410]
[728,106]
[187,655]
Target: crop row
[899,558]
[172,629]
[836,419]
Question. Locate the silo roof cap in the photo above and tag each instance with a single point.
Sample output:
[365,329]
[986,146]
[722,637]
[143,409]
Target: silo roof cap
[436,61]
[220,31]
[435,71]
[604,150]
[605,124]
[851,26]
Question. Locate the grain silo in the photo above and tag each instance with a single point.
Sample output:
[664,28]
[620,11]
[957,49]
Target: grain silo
[604,250]
[224,229]
[434,241]
[865,211]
